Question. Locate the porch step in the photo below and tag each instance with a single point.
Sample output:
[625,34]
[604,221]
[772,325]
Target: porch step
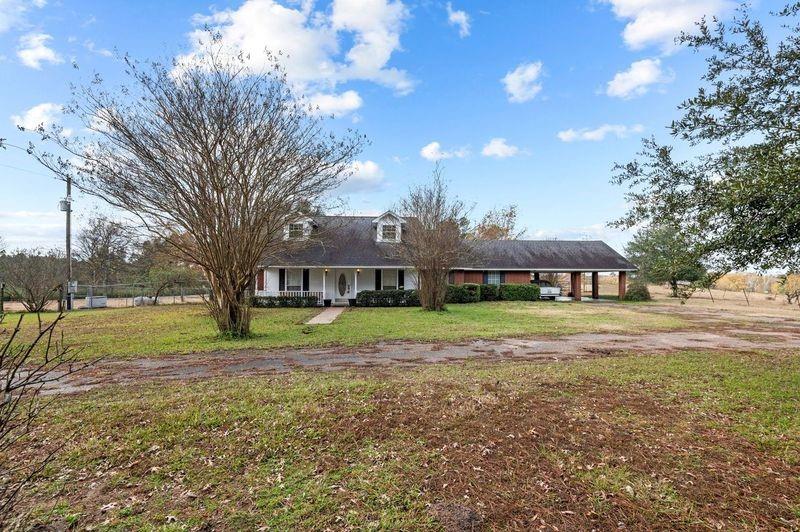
[340,303]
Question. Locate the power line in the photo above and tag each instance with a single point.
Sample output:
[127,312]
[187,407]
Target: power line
[24,170]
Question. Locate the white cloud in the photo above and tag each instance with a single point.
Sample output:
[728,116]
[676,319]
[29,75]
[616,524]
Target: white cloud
[365,176]
[434,152]
[33,50]
[92,47]
[522,83]
[375,26]
[637,80]
[498,147]
[458,18]
[335,104]
[29,229]
[599,133]
[658,22]
[353,40]
[45,114]
[13,12]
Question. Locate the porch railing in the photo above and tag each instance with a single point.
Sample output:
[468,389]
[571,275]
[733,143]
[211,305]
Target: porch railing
[302,293]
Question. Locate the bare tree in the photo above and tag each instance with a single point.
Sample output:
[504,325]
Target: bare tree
[103,246]
[35,276]
[25,368]
[499,224]
[208,149]
[434,239]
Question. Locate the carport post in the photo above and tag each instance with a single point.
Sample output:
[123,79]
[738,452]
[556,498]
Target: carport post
[595,285]
[623,284]
[575,284]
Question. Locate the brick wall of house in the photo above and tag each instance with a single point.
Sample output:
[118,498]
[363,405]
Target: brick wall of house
[476,276]
[473,277]
[518,277]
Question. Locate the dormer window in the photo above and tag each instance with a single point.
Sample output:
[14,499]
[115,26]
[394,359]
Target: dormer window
[389,232]
[388,227]
[296,231]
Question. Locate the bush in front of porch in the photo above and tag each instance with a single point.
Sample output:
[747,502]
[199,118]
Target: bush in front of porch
[388,298]
[284,301]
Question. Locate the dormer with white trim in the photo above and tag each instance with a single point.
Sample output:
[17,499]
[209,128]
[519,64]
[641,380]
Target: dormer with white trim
[298,230]
[388,227]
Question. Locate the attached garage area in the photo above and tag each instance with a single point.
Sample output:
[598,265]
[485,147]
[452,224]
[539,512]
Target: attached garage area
[573,283]
[574,262]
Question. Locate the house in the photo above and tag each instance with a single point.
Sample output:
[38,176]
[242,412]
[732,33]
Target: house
[336,257]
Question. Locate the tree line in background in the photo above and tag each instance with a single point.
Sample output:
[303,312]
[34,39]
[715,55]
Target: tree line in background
[107,255]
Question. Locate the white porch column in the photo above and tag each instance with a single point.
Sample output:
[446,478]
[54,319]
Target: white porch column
[324,277]
[355,282]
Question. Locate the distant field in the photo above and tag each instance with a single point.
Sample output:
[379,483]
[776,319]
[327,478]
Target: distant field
[692,440]
[179,329]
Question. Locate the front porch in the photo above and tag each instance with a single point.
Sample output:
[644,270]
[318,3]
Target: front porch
[330,285]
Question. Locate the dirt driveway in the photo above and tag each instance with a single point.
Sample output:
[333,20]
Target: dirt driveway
[711,329]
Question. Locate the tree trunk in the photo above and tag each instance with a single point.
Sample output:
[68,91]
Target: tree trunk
[230,307]
[673,284]
[432,290]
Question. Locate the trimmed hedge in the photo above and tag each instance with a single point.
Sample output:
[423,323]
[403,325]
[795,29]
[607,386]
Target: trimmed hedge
[519,292]
[637,292]
[490,292]
[463,293]
[284,301]
[387,298]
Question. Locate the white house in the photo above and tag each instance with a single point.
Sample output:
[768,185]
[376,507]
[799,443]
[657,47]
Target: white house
[335,257]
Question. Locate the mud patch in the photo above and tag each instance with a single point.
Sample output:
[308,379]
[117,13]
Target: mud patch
[457,517]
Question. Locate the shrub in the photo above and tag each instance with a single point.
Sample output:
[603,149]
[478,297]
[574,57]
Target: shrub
[284,301]
[463,293]
[519,292]
[387,298]
[637,292]
[490,292]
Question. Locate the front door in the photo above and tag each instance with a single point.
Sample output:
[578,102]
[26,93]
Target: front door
[344,284]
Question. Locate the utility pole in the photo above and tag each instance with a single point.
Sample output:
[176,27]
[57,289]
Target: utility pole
[66,206]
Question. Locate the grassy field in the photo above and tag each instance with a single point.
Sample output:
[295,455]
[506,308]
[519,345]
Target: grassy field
[691,440]
[179,329]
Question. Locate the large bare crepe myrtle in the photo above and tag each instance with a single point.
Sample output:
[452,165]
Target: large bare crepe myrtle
[434,240]
[210,149]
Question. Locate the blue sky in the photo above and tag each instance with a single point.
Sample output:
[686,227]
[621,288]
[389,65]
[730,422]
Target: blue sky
[525,102]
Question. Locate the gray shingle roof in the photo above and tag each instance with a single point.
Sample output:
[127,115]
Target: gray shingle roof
[351,241]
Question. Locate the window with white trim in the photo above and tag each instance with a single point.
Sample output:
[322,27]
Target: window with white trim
[493,278]
[294,280]
[389,232]
[296,230]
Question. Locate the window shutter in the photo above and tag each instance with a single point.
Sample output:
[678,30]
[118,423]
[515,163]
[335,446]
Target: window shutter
[305,280]
[502,277]
[260,279]
[282,279]
[378,279]
[485,277]
[401,279]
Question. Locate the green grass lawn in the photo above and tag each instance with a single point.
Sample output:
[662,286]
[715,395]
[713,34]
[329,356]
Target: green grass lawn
[179,329]
[691,440]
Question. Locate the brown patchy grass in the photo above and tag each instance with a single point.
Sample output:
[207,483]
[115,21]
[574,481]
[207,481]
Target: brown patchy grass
[185,329]
[695,440]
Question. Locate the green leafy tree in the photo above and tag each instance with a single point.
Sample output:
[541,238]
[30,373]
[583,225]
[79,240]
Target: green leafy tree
[738,206]
[663,257]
